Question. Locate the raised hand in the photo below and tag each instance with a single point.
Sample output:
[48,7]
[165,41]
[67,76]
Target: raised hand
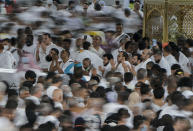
[113,64]
[100,68]
[132,69]
[94,71]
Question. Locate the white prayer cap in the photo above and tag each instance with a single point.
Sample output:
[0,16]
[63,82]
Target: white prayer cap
[50,91]
[188,94]
[112,96]
[92,82]
[104,83]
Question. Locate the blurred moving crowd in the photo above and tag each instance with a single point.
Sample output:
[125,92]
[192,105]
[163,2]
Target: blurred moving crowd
[100,73]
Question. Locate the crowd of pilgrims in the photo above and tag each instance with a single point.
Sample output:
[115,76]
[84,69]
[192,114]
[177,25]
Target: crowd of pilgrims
[101,74]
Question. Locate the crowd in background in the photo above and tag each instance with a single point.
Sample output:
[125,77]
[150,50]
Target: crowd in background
[100,74]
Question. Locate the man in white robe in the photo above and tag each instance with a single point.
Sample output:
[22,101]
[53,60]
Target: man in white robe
[95,48]
[161,61]
[123,64]
[146,54]
[7,63]
[168,56]
[43,49]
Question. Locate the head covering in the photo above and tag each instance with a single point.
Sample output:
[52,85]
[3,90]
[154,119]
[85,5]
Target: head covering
[188,94]
[92,82]
[112,96]
[79,122]
[50,91]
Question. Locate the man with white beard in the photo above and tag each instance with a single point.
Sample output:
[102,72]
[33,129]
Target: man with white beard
[146,54]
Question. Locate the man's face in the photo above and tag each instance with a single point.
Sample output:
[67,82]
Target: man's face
[68,36]
[24,94]
[58,95]
[84,93]
[105,61]
[173,71]
[5,43]
[136,5]
[147,43]
[85,6]
[86,64]
[157,58]
[135,60]
[64,55]
[120,57]
[33,80]
[78,42]
[52,53]
[145,54]
[96,41]
[119,28]
[40,92]
[72,5]
[108,35]
[46,39]
[66,45]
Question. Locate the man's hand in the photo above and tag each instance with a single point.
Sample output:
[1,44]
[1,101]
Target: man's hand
[131,68]
[101,69]
[94,71]
[55,58]
[113,65]
[43,47]
[38,46]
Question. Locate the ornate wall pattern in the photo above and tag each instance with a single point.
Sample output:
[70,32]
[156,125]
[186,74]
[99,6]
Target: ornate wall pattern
[165,20]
